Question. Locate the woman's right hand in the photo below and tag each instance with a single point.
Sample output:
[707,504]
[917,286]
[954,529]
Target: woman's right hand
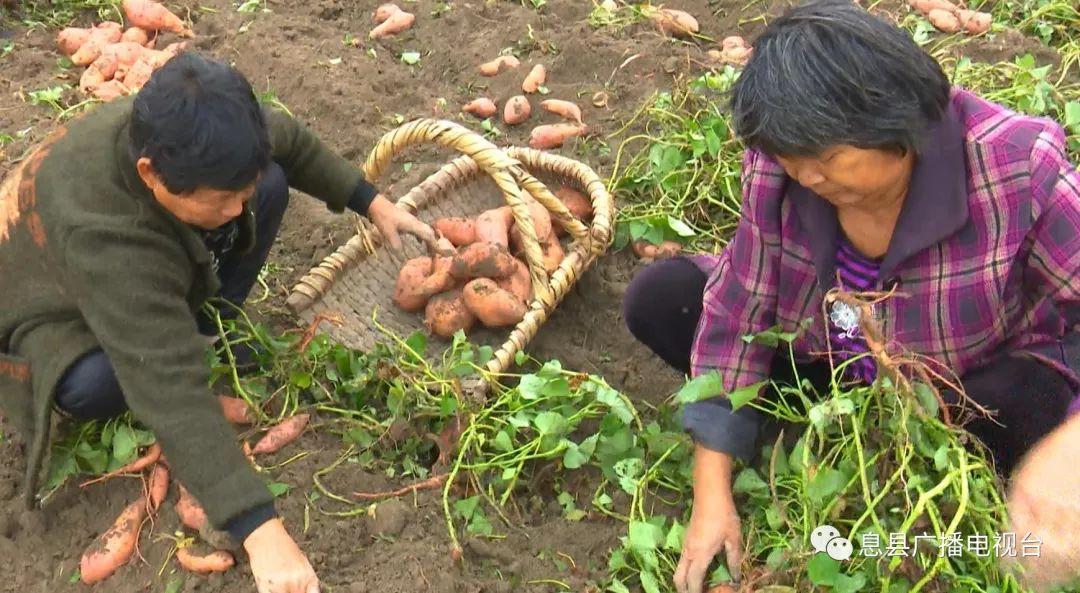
[714,523]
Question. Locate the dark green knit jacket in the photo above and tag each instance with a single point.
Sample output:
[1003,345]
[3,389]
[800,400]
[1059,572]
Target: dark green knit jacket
[89,259]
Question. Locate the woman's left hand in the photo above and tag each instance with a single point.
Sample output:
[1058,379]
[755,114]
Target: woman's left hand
[392,221]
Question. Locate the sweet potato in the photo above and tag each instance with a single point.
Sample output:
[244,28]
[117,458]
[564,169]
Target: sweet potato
[440,278]
[535,79]
[944,21]
[110,89]
[446,313]
[499,65]
[547,136]
[236,410]
[457,229]
[553,255]
[481,107]
[542,226]
[925,6]
[649,251]
[562,108]
[121,54]
[91,79]
[281,434]
[190,511]
[733,41]
[974,22]
[736,56]
[114,548]
[70,39]
[493,226]
[516,110]
[216,561]
[519,283]
[396,23]
[493,306]
[385,11]
[101,36]
[408,292]
[153,16]
[576,202]
[676,23]
[482,260]
[136,35]
[158,486]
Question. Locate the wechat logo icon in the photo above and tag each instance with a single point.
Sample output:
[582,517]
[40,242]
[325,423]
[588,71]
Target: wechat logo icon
[827,539]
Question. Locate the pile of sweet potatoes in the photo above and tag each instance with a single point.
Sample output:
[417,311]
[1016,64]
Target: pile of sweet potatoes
[949,17]
[119,61]
[480,274]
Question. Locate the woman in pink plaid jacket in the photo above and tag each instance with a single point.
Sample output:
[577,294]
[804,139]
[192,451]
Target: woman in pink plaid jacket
[866,170]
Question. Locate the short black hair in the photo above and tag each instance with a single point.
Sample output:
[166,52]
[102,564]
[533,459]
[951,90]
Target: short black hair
[200,124]
[828,72]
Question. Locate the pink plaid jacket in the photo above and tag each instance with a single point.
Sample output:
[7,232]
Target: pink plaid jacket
[984,257]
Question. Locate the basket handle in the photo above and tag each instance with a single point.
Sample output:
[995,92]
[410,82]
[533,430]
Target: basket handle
[488,157]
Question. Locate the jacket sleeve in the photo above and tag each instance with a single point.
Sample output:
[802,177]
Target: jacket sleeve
[313,168]
[739,300]
[130,285]
[1055,253]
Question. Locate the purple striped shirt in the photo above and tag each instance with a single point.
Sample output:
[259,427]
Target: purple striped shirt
[858,273]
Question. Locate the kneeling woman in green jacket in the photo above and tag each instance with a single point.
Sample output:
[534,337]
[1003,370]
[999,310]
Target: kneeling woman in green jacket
[116,231]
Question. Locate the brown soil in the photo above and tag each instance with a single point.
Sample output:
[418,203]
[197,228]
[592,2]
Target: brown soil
[401,545]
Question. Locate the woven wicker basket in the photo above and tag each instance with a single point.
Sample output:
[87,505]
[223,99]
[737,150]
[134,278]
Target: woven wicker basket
[355,284]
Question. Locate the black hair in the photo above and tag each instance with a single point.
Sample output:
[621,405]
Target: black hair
[199,123]
[828,72]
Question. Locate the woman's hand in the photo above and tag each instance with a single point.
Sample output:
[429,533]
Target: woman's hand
[392,221]
[714,523]
[277,563]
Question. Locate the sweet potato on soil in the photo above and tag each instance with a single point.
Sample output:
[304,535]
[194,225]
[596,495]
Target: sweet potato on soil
[396,23]
[481,107]
[70,39]
[974,22]
[91,79]
[457,229]
[482,260]
[216,561]
[499,65]
[736,56]
[733,41]
[158,486]
[567,109]
[548,136]
[236,410]
[676,23]
[101,36]
[493,306]
[925,6]
[282,434]
[114,548]
[535,79]
[152,455]
[408,293]
[136,35]
[516,110]
[109,90]
[648,251]
[944,21]
[384,11]
[519,283]
[446,313]
[153,16]
[493,226]
[190,511]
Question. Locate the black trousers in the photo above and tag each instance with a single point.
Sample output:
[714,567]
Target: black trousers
[89,389]
[663,303]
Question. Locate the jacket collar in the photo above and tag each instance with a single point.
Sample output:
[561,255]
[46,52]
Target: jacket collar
[936,205]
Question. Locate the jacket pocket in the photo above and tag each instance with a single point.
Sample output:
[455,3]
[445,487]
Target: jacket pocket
[16,392]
